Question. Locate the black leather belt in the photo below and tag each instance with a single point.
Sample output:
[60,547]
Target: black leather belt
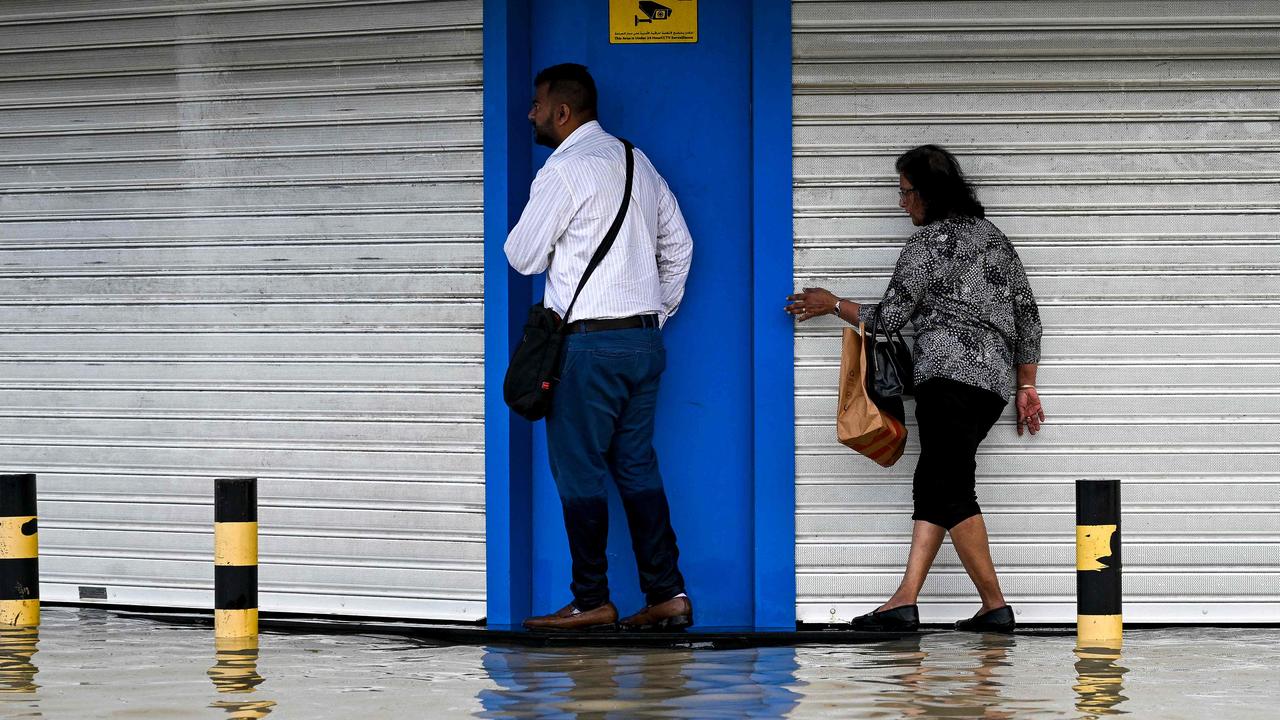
[628,323]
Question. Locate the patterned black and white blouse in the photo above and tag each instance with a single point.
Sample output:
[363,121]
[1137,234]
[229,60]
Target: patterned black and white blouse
[960,282]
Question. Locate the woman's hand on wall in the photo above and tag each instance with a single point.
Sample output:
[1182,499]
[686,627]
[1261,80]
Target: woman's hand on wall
[811,303]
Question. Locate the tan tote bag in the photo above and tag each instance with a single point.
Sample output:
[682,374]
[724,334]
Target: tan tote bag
[860,424]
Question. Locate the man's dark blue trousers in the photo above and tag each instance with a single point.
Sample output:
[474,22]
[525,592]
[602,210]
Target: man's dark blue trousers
[601,427]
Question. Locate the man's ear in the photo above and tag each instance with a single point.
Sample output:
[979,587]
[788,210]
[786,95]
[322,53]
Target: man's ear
[563,114]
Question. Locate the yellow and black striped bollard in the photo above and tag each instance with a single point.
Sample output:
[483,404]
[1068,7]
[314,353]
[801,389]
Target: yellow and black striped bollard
[1098,599]
[235,557]
[19,552]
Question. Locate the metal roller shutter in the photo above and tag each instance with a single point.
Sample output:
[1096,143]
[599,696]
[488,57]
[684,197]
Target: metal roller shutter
[245,238]
[1131,152]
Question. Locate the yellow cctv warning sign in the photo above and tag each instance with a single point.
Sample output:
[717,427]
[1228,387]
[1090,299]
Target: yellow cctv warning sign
[647,21]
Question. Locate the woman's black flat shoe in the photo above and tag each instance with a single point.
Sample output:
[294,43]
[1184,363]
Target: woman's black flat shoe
[905,618]
[999,620]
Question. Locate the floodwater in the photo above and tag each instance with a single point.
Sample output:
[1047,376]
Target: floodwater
[92,663]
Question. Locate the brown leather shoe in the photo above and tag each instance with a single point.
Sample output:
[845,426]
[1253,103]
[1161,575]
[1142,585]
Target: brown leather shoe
[600,619]
[674,614]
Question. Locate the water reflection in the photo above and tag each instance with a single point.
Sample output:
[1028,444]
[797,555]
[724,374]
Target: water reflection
[1099,680]
[235,670]
[17,671]
[94,664]
[924,688]
[626,683]
[96,623]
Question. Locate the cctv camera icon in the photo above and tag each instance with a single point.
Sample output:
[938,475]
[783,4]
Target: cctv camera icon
[653,11]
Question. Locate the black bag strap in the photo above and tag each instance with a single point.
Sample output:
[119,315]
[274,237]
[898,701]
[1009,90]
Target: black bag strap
[875,332]
[610,236]
[873,335]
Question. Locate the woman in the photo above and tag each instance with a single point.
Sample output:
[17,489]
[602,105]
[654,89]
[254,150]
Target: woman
[961,284]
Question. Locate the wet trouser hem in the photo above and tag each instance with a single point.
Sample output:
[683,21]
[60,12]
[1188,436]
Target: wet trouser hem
[657,598]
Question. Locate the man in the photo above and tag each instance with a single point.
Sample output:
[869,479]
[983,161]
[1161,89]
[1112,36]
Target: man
[601,421]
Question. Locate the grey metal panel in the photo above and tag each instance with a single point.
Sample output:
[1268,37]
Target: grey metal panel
[1130,151]
[245,238]
[240,22]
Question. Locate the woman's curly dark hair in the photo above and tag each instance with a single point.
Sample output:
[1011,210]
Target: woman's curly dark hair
[936,176]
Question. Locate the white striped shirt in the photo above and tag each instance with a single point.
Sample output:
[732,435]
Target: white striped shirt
[572,203]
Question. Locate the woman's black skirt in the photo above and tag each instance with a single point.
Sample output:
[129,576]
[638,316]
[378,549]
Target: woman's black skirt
[953,419]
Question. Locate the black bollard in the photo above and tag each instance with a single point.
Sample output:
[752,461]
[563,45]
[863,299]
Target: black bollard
[1099,619]
[19,552]
[235,557]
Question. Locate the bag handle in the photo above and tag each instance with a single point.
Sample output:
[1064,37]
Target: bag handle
[888,338]
[846,399]
[609,236]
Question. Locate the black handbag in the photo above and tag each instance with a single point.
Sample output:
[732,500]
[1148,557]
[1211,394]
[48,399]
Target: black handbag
[534,371]
[890,371]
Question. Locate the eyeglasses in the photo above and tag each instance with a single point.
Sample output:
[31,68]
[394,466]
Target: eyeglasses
[904,192]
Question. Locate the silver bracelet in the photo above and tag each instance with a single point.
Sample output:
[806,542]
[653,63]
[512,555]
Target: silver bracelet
[1026,387]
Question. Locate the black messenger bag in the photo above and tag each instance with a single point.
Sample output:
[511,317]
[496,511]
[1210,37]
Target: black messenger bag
[535,366]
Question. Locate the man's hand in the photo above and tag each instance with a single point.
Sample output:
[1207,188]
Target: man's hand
[1030,411]
[811,303]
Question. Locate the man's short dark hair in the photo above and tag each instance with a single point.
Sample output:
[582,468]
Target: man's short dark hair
[571,84]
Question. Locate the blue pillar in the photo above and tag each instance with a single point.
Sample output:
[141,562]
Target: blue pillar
[507,175]
[725,434]
[773,387]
